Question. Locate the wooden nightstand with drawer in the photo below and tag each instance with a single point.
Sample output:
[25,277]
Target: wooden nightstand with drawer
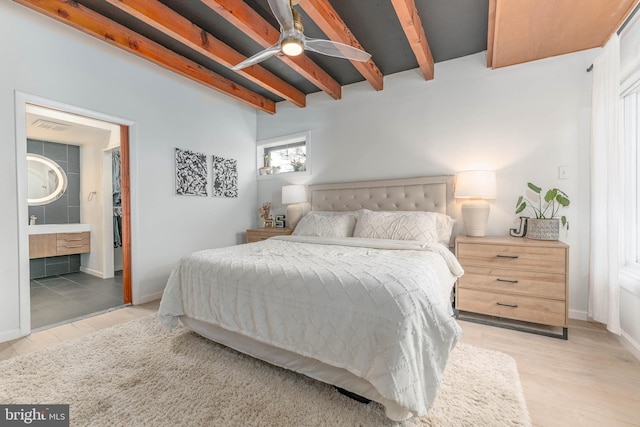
[514,278]
[257,234]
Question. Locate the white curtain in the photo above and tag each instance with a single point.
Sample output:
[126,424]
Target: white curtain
[605,255]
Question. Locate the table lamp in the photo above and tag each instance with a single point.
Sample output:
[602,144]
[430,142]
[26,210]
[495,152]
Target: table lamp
[295,197]
[476,187]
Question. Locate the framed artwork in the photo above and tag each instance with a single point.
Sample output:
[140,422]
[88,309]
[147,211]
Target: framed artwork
[225,177]
[191,173]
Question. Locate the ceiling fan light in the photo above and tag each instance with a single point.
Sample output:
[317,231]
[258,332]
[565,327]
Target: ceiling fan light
[291,46]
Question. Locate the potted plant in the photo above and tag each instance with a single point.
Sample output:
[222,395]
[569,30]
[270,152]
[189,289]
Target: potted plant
[297,159]
[297,165]
[546,224]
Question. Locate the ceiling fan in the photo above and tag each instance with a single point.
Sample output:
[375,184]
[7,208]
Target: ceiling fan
[292,41]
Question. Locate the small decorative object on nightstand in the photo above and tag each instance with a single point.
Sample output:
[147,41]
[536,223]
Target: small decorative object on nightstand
[265,214]
[257,234]
[514,278]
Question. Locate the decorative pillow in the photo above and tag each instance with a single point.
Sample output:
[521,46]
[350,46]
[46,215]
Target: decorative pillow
[404,225]
[326,224]
[444,227]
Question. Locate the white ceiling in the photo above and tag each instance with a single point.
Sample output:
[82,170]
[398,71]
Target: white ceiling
[75,130]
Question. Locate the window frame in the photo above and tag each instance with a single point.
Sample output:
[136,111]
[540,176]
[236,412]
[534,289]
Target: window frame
[630,132]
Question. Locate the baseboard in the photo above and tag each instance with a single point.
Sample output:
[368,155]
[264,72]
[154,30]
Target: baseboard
[148,298]
[630,344]
[95,273]
[10,335]
[578,314]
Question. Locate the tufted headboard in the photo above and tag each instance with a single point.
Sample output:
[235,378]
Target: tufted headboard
[430,193]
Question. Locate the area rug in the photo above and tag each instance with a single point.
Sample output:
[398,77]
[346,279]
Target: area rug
[140,374]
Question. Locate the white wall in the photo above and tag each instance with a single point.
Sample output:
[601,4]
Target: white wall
[48,59]
[94,170]
[523,121]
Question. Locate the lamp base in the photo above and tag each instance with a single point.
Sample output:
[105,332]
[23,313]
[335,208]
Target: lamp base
[295,212]
[475,216]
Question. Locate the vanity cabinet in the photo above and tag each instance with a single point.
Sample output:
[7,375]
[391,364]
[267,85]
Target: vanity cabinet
[56,244]
[42,245]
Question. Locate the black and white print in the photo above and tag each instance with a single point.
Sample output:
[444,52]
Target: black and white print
[225,177]
[191,173]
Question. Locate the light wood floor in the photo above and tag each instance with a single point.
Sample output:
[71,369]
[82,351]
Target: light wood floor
[589,380]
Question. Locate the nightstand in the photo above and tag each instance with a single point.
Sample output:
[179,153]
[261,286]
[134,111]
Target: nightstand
[514,278]
[257,234]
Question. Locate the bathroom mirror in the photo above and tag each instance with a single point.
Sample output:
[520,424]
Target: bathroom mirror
[46,180]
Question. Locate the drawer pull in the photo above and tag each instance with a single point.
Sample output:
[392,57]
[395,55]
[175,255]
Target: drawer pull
[73,246]
[506,280]
[73,240]
[507,256]
[507,305]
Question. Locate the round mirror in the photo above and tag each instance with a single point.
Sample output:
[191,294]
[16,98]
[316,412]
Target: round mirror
[46,180]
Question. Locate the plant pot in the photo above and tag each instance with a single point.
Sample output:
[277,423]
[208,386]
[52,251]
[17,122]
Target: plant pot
[543,229]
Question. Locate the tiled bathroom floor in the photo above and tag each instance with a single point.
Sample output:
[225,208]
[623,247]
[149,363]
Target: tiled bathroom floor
[58,299]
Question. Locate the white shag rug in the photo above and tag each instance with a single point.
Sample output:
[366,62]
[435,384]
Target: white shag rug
[140,374]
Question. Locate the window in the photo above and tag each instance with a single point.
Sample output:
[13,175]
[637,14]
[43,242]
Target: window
[287,154]
[630,163]
[630,155]
[288,158]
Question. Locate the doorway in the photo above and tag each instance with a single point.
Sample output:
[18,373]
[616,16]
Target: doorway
[95,267]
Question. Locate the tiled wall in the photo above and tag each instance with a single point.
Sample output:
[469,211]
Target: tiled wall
[65,210]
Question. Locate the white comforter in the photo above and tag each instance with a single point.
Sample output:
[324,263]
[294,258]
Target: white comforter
[379,309]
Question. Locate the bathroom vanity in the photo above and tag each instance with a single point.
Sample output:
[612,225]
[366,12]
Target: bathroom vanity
[51,240]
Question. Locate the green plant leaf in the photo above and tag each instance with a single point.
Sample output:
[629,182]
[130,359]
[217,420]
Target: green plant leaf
[551,194]
[563,200]
[519,201]
[521,208]
[534,188]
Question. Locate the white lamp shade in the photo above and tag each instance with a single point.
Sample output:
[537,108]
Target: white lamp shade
[294,194]
[477,184]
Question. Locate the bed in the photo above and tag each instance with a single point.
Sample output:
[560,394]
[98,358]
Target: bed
[370,314]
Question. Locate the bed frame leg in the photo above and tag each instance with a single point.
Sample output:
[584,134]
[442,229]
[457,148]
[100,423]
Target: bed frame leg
[353,395]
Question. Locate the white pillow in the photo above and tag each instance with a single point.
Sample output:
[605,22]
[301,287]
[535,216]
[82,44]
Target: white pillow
[444,227]
[422,226]
[326,224]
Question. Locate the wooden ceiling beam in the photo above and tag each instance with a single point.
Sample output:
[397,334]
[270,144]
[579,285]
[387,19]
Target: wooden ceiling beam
[165,20]
[413,29]
[491,32]
[94,24]
[326,17]
[527,30]
[247,20]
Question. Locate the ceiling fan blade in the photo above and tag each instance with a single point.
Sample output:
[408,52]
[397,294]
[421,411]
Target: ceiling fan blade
[258,57]
[339,50]
[282,11]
